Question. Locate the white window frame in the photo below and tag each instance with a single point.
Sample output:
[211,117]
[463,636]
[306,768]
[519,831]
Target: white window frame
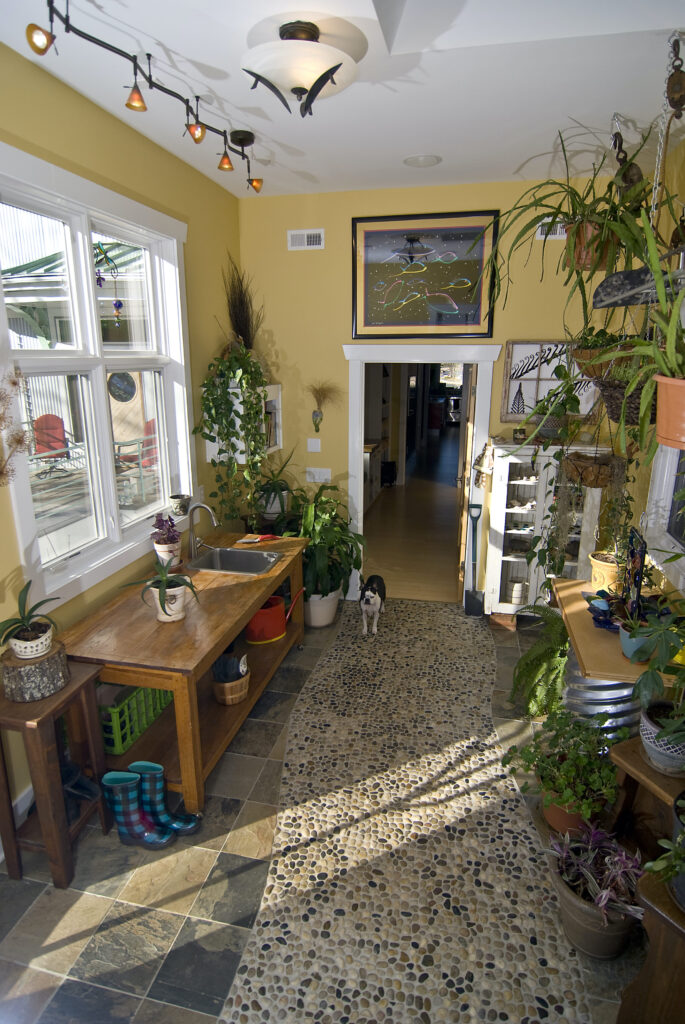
[41,186]
[660,543]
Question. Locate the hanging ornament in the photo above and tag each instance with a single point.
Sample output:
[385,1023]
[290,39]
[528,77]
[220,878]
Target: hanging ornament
[317,416]
[102,257]
[118,304]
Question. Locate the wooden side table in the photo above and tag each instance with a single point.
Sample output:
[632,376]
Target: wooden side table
[48,829]
[658,992]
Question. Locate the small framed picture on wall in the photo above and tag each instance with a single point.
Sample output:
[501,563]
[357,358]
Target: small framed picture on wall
[529,376]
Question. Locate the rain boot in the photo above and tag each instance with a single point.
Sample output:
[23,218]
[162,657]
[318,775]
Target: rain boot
[153,800]
[122,793]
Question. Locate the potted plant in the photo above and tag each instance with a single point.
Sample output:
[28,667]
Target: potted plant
[166,539]
[539,674]
[29,632]
[333,551]
[595,879]
[662,721]
[168,590]
[570,759]
[274,491]
[233,405]
[671,864]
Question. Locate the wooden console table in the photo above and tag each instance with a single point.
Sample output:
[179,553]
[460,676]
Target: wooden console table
[134,649]
[48,829]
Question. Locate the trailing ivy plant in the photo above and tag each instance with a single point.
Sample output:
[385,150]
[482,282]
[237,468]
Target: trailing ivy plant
[233,397]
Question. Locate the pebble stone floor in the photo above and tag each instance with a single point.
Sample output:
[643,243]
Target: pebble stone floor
[405,880]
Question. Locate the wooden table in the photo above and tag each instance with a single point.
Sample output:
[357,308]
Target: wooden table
[48,829]
[134,649]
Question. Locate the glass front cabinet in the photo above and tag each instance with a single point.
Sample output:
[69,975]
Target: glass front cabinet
[524,486]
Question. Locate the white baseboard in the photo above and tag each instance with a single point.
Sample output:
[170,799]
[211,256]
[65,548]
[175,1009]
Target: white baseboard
[21,809]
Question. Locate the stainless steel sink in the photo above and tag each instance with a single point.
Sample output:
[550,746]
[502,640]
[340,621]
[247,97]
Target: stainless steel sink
[249,563]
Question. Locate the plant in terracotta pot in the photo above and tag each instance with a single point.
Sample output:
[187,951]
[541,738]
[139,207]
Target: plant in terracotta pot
[29,632]
[569,756]
[168,590]
[596,880]
[166,539]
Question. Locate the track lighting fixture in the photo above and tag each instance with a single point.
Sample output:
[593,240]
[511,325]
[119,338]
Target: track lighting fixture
[40,40]
[299,64]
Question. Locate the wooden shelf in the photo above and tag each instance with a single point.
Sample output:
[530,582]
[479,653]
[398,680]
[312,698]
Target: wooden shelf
[219,723]
[629,755]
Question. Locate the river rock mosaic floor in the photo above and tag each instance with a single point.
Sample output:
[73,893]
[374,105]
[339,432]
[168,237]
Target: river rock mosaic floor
[407,883]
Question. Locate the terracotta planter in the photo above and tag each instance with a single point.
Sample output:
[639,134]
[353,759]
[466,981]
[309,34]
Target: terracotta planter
[561,820]
[584,926]
[667,757]
[604,571]
[670,411]
[588,252]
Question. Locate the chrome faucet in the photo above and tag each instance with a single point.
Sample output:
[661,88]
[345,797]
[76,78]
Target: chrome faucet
[194,543]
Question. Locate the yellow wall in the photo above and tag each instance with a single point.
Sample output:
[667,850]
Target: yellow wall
[51,121]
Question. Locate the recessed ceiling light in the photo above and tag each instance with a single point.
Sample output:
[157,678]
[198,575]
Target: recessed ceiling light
[422,160]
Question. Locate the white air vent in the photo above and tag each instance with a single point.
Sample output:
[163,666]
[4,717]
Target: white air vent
[310,238]
[545,232]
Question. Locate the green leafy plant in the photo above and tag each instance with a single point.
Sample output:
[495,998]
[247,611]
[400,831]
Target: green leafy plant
[274,489]
[570,757]
[672,862]
[334,550]
[539,672]
[233,417]
[664,640]
[28,623]
[162,580]
[599,870]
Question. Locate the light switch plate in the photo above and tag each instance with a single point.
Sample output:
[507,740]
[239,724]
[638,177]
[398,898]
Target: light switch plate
[313,444]
[317,476]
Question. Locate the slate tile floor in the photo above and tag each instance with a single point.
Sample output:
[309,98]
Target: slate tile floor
[144,937]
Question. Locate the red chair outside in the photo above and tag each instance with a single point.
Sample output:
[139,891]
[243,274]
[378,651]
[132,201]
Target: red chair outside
[50,439]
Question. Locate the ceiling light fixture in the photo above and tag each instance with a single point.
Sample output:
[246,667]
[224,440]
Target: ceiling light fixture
[40,41]
[412,249]
[422,160]
[301,65]
[242,138]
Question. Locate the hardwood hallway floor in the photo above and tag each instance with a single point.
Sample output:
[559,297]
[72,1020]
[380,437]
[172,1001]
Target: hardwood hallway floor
[410,531]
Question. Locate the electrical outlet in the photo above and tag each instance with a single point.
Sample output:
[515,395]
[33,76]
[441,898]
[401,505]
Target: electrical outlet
[317,476]
[313,444]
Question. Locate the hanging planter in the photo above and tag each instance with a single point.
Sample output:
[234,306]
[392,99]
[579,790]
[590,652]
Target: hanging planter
[590,252]
[613,394]
[670,411]
[589,469]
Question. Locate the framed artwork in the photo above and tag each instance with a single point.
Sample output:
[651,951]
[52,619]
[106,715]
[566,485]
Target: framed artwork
[529,376]
[421,276]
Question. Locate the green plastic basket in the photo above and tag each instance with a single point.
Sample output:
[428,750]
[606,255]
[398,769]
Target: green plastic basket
[128,718]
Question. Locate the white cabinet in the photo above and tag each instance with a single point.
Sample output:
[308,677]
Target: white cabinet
[523,485]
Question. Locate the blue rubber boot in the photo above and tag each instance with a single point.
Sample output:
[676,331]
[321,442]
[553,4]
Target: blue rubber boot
[153,800]
[122,793]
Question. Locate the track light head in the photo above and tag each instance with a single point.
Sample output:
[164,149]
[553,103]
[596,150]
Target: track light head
[39,39]
[135,99]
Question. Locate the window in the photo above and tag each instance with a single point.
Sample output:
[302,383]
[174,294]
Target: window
[665,522]
[91,310]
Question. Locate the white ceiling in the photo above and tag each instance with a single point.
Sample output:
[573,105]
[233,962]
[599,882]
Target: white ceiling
[485,84]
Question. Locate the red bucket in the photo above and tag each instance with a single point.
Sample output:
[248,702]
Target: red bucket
[269,623]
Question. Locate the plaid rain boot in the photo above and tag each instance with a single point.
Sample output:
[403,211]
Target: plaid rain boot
[122,793]
[154,803]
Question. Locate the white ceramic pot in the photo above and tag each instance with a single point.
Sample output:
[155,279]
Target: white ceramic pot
[321,611]
[174,601]
[667,757]
[31,648]
[165,552]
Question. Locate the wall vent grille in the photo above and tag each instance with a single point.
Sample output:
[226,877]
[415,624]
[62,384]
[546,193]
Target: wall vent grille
[309,238]
[545,232]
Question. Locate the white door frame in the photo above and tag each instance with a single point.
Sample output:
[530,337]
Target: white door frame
[357,356]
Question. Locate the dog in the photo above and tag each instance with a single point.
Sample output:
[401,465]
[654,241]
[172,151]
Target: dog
[371,602]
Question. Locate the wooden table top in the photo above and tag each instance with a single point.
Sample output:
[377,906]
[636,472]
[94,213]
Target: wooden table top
[630,756]
[124,632]
[598,650]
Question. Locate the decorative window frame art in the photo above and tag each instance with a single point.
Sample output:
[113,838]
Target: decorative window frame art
[421,276]
[529,376]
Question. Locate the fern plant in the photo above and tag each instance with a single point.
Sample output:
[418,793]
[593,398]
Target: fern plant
[539,672]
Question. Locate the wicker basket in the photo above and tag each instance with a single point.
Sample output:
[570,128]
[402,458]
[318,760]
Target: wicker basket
[234,692]
[613,393]
[588,470]
[584,358]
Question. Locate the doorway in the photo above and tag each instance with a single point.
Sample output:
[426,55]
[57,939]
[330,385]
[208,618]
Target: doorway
[361,355]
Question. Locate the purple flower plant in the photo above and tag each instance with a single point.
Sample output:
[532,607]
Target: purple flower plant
[165,531]
[599,870]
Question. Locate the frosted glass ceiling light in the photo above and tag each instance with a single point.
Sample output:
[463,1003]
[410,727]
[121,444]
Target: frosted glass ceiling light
[300,65]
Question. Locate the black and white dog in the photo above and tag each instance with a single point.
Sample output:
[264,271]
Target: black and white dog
[371,601]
